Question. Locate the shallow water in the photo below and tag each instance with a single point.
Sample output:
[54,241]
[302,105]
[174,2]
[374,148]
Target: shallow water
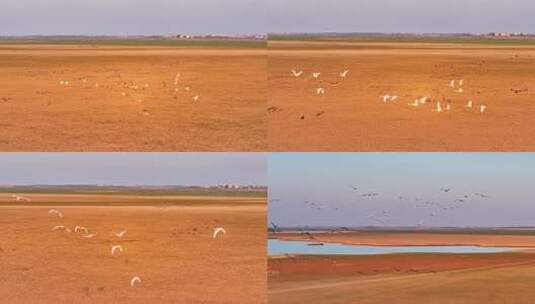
[278,247]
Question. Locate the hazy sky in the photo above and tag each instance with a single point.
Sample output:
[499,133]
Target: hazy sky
[133,168]
[402,15]
[326,180]
[24,17]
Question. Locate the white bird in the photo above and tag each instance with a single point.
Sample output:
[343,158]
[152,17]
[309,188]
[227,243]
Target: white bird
[176,78]
[196,98]
[116,247]
[415,103]
[61,227]
[423,100]
[438,108]
[56,212]
[448,107]
[316,74]
[80,228]
[22,199]
[452,83]
[386,98]
[469,104]
[134,280]
[320,91]
[460,90]
[393,98]
[218,230]
[88,236]
[187,89]
[461,82]
[344,73]
[296,74]
[96,85]
[120,234]
[482,108]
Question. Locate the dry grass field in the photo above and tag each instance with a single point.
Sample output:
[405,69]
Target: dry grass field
[169,247]
[351,114]
[66,97]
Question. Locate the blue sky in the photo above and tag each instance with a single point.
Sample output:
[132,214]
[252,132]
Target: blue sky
[325,179]
[130,17]
[133,168]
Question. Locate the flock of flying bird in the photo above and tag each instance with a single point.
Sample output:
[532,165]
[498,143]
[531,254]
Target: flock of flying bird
[439,105]
[84,232]
[320,90]
[431,208]
[176,89]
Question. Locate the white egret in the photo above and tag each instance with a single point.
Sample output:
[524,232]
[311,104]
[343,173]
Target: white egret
[218,230]
[134,280]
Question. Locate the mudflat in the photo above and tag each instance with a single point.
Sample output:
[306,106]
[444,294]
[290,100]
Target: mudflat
[423,238]
[403,278]
[406,277]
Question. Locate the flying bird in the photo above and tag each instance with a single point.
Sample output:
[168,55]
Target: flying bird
[297,74]
[344,73]
[320,91]
[469,104]
[482,108]
[275,226]
[120,234]
[134,280]
[77,228]
[116,247]
[56,212]
[316,74]
[218,230]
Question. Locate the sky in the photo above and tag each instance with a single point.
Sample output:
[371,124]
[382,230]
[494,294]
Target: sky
[132,168]
[144,17]
[408,187]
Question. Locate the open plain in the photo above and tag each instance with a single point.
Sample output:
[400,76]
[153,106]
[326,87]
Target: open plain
[388,100]
[168,244]
[93,97]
